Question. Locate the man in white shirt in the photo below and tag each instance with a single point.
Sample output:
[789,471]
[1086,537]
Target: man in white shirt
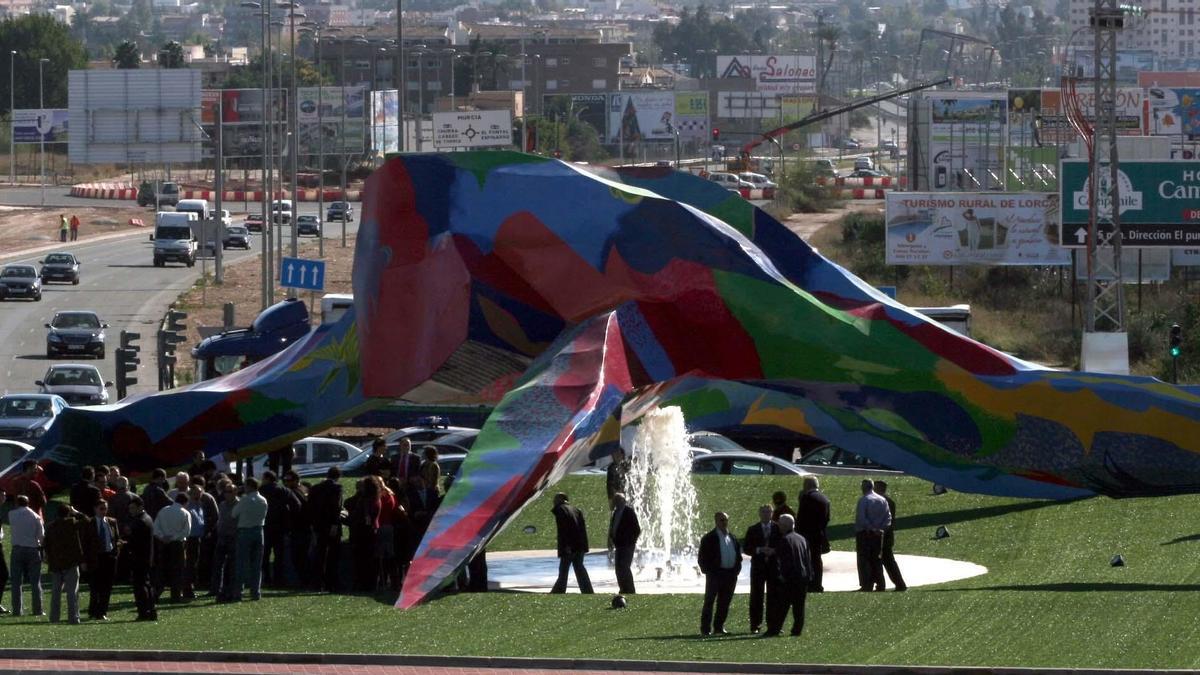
[27,530]
[720,560]
[872,517]
[172,526]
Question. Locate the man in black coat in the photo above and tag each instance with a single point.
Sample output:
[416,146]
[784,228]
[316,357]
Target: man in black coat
[759,543]
[282,506]
[325,510]
[789,588]
[138,532]
[101,542]
[572,544]
[623,533]
[889,541]
[154,495]
[720,560]
[85,494]
[812,519]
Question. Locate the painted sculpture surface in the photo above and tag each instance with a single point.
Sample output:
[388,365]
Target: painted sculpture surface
[630,290]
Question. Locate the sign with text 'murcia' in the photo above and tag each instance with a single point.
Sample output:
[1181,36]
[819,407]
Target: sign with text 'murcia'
[301,273]
[1159,203]
[476,129]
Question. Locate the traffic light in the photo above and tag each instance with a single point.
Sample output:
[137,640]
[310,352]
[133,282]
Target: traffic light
[127,362]
[1176,340]
[716,134]
[171,334]
[175,320]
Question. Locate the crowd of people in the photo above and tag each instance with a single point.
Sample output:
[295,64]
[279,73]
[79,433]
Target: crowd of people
[208,533]
[784,547]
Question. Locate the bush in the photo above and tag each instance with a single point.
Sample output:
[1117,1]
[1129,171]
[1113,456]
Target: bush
[800,192]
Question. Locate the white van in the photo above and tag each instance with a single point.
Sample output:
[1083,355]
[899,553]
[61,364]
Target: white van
[174,238]
[281,211]
[199,207]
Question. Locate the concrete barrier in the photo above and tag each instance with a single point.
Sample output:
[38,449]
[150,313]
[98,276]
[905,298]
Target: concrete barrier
[127,192]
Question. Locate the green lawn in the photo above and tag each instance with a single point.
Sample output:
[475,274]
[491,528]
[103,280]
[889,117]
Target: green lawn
[1050,598]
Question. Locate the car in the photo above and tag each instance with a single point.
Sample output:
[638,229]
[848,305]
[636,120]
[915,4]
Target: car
[77,383]
[713,442]
[863,162]
[343,211]
[758,180]
[730,181]
[281,211]
[450,458]
[846,144]
[745,463]
[168,193]
[236,236]
[308,225]
[889,145]
[254,222]
[866,173]
[60,267]
[12,452]
[824,167]
[226,218]
[313,456]
[25,417]
[430,429]
[21,281]
[75,332]
[829,459]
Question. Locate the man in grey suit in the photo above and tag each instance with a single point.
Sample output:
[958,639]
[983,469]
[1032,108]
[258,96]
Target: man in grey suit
[789,587]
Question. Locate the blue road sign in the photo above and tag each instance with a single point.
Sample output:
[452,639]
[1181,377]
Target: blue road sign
[300,273]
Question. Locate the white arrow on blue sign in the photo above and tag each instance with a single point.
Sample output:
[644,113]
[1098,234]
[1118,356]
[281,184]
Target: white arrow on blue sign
[300,273]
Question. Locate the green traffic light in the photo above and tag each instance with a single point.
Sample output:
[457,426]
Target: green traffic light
[1175,352]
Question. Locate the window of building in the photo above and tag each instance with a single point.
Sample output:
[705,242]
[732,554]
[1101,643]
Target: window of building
[566,61]
[435,85]
[551,85]
[599,62]
[600,85]
[551,63]
[564,84]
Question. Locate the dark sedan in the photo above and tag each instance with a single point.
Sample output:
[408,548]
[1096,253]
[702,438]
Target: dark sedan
[308,225]
[75,333]
[236,236]
[60,267]
[340,211]
[21,281]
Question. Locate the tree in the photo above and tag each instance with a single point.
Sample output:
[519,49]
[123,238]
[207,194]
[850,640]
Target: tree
[127,56]
[171,56]
[250,75]
[35,37]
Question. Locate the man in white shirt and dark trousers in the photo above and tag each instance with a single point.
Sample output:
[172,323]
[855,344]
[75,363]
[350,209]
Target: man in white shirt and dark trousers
[872,517]
[720,560]
[251,515]
[172,526]
[27,532]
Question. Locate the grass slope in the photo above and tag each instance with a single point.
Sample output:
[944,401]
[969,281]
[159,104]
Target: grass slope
[1050,598]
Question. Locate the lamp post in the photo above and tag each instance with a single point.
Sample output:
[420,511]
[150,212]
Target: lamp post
[41,136]
[475,70]
[402,77]
[12,110]
[294,12]
[420,51]
[265,254]
[452,56]
[317,31]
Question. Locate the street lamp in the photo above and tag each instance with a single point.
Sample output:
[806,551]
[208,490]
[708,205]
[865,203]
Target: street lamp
[317,31]
[475,70]
[294,12]
[12,110]
[267,289]
[453,55]
[41,136]
[420,51]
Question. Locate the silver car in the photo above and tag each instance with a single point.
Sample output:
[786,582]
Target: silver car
[77,383]
[313,456]
[25,417]
[60,267]
[21,281]
[236,236]
[75,333]
[745,463]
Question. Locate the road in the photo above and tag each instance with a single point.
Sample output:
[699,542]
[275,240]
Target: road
[118,282]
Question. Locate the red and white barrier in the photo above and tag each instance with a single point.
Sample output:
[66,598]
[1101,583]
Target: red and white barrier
[866,181]
[859,193]
[755,193]
[117,191]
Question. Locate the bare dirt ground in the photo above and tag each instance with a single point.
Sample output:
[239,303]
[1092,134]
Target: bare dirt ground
[805,225]
[23,228]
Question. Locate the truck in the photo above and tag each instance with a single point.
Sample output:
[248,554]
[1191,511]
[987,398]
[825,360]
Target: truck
[274,330]
[174,238]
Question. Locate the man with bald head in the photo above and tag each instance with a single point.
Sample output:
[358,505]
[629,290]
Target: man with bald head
[789,587]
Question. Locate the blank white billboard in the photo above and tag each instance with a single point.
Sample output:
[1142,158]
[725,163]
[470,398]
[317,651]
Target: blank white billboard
[134,116]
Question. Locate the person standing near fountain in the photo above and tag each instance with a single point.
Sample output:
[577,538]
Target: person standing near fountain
[623,533]
[720,560]
[889,540]
[759,543]
[812,519]
[872,518]
[572,544]
[617,474]
[789,587]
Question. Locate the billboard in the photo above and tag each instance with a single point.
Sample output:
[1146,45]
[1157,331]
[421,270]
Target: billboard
[591,109]
[746,104]
[134,116]
[966,140]
[1038,117]
[772,74]
[333,120]
[1159,202]
[1130,63]
[476,129]
[973,228]
[385,121]
[1147,264]
[37,126]
[349,102]
[641,116]
[691,114]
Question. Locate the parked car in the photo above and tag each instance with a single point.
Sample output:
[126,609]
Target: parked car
[829,459]
[12,452]
[340,211]
[75,332]
[77,383]
[236,236]
[450,458]
[863,162]
[60,267]
[28,416]
[866,173]
[745,463]
[713,442]
[846,144]
[758,180]
[314,455]
[254,222]
[889,145]
[431,429]
[168,194]
[729,181]
[21,281]
[308,225]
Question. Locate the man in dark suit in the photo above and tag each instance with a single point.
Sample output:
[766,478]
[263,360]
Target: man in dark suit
[812,519]
[759,544]
[789,588]
[889,541]
[101,543]
[325,509]
[282,507]
[406,464]
[85,494]
[720,560]
[154,495]
[623,533]
[139,537]
[572,544]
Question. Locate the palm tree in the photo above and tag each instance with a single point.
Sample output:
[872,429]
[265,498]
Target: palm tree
[127,56]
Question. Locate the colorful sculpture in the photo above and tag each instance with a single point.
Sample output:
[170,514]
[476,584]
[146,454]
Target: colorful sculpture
[629,290]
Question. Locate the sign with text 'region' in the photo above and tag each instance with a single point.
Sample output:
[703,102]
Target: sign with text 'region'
[477,129]
[974,228]
[1159,202]
[308,275]
[772,74]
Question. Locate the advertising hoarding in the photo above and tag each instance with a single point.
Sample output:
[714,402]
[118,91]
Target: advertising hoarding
[477,129]
[341,125]
[691,114]
[1038,116]
[773,74]
[1130,62]
[591,109]
[973,228]
[134,116]
[746,104]
[1154,263]
[641,116]
[1159,202]
[348,102]
[385,121]
[966,140]
[36,126]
